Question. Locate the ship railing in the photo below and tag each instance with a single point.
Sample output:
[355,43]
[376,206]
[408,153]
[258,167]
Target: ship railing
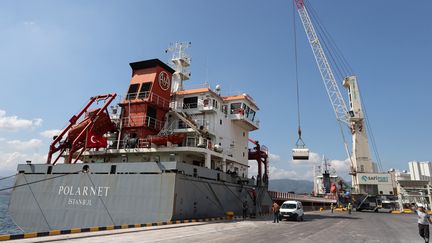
[240,115]
[200,123]
[263,148]
[129,143]
[183,106]
[150,97]
[139,121]
[201,105]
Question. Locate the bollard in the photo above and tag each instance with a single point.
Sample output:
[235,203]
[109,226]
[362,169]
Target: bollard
[229,215]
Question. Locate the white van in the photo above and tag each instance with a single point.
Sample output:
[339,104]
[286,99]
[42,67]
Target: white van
[291,210]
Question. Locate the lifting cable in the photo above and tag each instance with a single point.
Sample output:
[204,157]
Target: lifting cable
[343,69]
[337,60]
[299,142]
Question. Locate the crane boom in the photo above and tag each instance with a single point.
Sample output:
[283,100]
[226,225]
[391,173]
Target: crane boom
[333,92]
[351,116]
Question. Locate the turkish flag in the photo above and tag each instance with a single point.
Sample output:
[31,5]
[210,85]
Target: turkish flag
[95,141]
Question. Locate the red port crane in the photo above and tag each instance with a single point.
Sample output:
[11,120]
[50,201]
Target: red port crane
[260,154]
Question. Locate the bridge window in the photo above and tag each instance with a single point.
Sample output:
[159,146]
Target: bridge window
[215,104]
[251,115]
[144,91]
[190,102]
[235,108]
[247,110]
[132,92]
[224,109]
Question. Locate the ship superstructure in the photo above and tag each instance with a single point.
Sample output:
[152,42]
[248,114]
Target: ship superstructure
[163,153]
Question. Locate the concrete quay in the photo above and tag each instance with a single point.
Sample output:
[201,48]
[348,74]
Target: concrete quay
[317,227]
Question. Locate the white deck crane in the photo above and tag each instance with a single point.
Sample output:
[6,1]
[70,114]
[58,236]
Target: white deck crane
[353,117]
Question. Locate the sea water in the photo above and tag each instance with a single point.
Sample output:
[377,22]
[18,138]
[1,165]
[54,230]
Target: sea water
[7,226]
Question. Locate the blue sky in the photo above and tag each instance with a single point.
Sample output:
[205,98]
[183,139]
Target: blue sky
[54,55]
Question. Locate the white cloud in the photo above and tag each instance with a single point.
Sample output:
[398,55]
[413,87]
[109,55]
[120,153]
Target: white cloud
[299,169]
[37,122]
[18,145]
[29,23]
[50,133]
[15,123]
[9,161]
[32,26]
[278,173]
[341,166]
[274,157]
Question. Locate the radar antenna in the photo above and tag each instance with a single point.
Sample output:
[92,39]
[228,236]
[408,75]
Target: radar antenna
[180,62]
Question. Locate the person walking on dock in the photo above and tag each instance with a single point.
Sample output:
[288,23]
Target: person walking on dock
[349,207]
[245,209]
[423,222]
[275,210]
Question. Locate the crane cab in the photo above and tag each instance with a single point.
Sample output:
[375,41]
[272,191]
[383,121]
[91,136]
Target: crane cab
[300,153]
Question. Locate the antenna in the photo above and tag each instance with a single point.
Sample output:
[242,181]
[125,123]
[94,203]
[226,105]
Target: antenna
[206,84]
[180,63]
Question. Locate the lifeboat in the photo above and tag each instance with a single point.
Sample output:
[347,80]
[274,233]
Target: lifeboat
[102,126]
[176,138]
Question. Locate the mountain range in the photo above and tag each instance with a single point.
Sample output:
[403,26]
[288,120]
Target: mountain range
[288,185]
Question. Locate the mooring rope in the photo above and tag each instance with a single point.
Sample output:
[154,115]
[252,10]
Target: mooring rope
[43,215]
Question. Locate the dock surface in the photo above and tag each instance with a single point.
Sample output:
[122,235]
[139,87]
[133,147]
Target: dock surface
[317,227]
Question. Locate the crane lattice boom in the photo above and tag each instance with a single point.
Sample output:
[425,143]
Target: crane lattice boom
[329,80]
[351,116]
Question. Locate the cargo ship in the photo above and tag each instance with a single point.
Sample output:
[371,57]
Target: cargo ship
[162,153]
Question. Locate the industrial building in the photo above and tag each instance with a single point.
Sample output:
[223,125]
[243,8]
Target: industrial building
[414,186]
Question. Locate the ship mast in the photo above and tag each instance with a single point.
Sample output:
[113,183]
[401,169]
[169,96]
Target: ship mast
[180,63]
